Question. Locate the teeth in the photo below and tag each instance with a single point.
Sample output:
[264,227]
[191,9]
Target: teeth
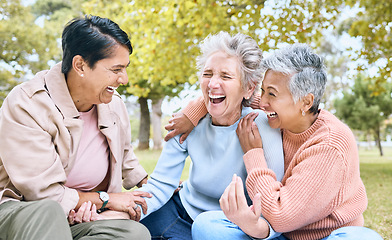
[213,96]
[111,89]
[271,114]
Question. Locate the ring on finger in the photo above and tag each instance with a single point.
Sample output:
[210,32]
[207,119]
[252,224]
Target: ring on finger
[135,207]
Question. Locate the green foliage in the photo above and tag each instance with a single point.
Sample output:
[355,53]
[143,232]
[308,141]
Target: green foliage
[165,33]
[361,109]
[23,44]
[373,26]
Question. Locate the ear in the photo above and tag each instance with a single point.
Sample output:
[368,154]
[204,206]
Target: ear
[249,92]
[307,102]
[78,64]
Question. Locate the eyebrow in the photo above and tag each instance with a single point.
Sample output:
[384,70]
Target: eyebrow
[121,65]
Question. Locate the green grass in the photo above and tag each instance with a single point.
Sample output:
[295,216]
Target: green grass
[376,173]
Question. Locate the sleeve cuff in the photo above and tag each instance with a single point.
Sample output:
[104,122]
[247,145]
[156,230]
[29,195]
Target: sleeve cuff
[272,233]
[254,159]
[195,110]
[70,200]
[134,177]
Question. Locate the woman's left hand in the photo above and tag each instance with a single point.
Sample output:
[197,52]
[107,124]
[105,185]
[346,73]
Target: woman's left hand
[236,209]
[86,213]
[248,133]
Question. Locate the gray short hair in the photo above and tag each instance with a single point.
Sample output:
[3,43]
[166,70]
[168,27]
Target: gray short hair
[241,46]
[307,70]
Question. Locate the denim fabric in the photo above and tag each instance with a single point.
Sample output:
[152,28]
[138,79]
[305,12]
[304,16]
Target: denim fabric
[215,225]
[169,222]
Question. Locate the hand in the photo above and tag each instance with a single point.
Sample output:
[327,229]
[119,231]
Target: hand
[86,213]
[248,133]
[179,124]
[236,209]
[128,202]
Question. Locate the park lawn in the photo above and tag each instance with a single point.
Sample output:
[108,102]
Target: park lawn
[376,173]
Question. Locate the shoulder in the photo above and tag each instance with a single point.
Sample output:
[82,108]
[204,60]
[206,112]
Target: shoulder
[336,133]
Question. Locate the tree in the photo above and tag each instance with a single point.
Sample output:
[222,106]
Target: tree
[165,35]
[22,49]
[362,110]
[373,25]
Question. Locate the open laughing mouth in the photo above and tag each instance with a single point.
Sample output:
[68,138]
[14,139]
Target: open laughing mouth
[271,114]
[216,98]
[111,89]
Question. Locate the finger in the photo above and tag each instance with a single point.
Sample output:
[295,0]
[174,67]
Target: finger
[170,135]
[132,213]
[142,202]
[223,201]
[87,212]
[79,214]
[142,194]
[257,205]
[169,126]
[183,137]
[94,214]
[138,214]
[239,187]
[232,195]
[71,216]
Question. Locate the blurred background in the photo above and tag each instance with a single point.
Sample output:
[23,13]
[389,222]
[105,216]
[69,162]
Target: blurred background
[353,36]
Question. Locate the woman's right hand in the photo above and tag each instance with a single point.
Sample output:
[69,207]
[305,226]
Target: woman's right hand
[248,133]
[128,202]
[179,124]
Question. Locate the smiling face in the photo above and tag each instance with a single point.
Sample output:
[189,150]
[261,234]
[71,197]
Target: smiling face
[221,86]
[100,82]
[277,101]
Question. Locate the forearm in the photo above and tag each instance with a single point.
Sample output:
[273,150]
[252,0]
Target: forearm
[312,184]
[195,110]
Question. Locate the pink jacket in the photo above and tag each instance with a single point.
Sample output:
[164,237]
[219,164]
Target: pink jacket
[40,133]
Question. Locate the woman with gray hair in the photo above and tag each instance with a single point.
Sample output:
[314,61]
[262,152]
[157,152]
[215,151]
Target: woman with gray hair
[229,71]
[321,195]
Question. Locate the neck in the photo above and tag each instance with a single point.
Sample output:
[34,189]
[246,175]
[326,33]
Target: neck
[305,123]
[77,92]
[227,121]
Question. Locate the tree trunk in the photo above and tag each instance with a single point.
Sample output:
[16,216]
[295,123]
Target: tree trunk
[144,128]
[156,123]
[378,141]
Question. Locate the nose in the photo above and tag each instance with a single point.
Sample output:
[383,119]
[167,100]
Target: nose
[123,77]
[263,102]
[214,82]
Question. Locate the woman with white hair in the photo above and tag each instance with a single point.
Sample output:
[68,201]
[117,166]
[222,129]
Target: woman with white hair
[229,72]
[321,195]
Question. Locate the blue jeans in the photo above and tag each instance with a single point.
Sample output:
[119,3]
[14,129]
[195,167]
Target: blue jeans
[170,222]
[215,225]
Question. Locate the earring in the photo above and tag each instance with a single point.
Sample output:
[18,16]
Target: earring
[82,75]
[303,113]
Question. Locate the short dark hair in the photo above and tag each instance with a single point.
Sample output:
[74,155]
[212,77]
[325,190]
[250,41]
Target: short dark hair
[93,38]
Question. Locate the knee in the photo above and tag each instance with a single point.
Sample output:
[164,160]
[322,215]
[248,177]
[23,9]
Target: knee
[205,226]
[136,230]
[354,232]
[49,209]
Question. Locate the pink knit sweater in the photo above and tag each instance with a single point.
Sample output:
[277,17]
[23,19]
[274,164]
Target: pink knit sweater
[321,189]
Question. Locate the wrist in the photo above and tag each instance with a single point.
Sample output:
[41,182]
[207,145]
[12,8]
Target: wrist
[104,197]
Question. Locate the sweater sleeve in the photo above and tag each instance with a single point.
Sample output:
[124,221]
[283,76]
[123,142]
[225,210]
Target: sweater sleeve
[310,188]
[195,110]
[166,175]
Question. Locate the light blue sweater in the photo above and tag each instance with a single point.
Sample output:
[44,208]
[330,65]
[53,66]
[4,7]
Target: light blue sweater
[216,155]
